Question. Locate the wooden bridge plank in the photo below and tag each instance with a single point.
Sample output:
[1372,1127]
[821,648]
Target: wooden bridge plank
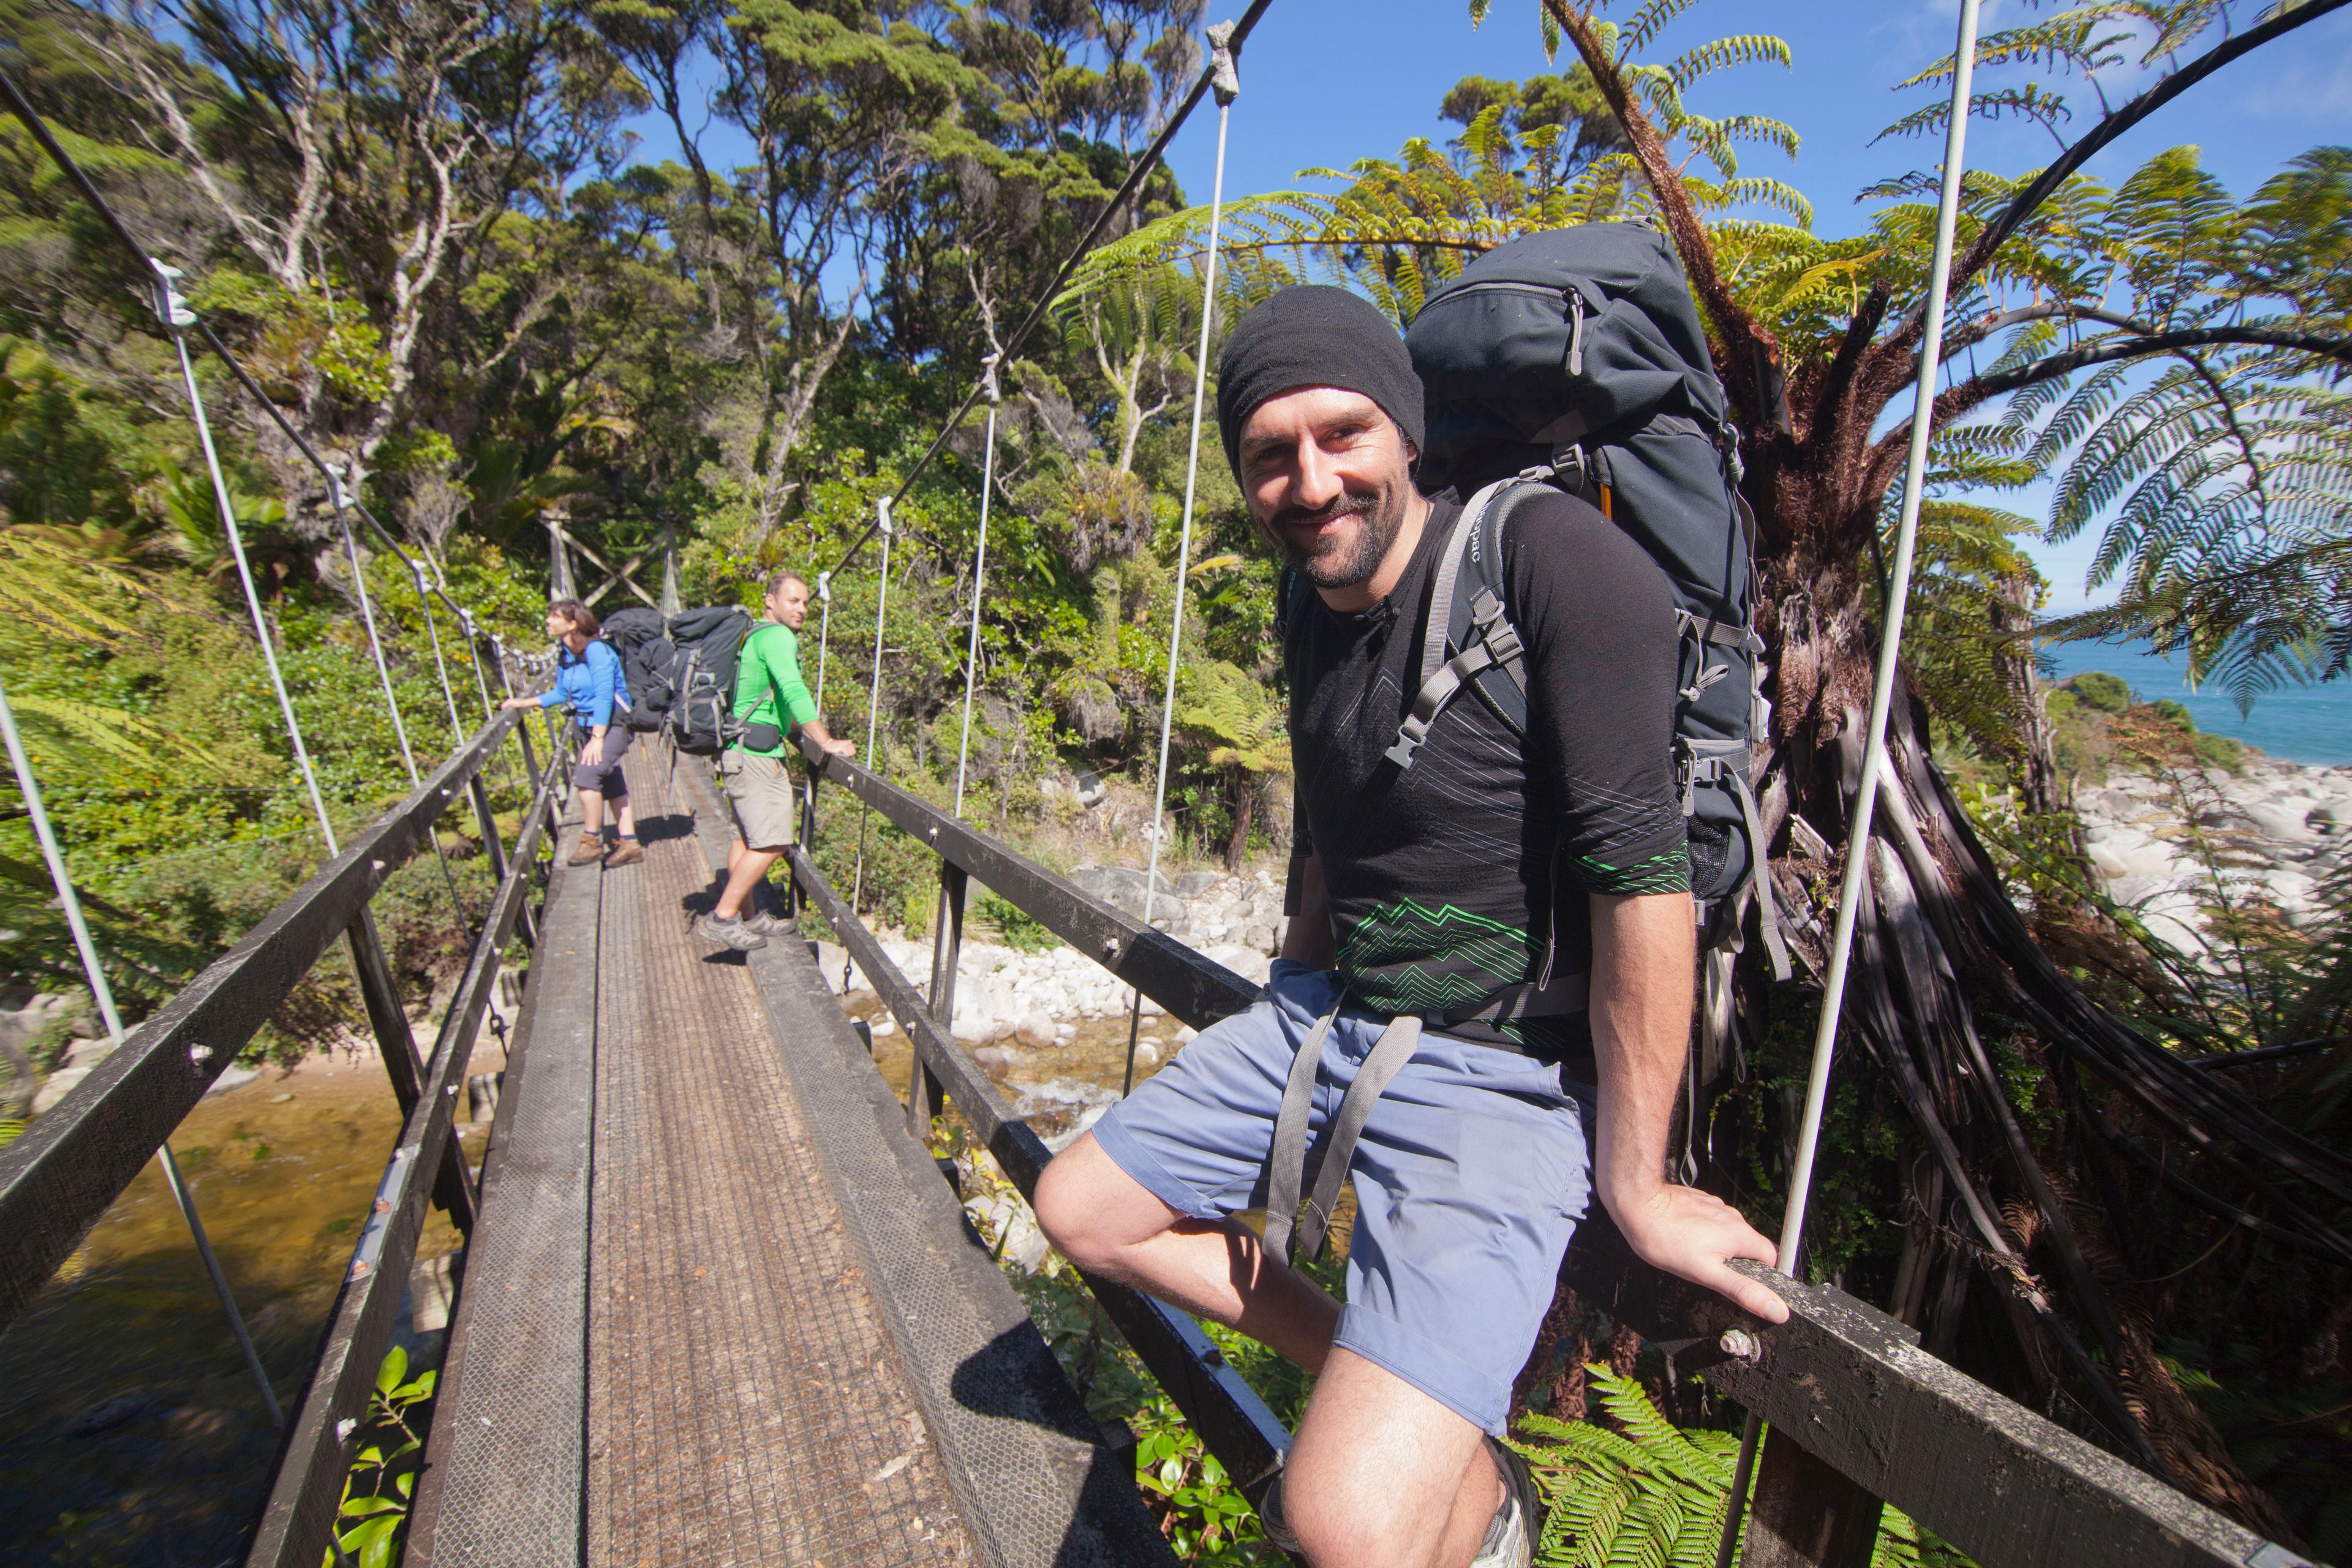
[501,1486]
[746,1404]
[1037,1487]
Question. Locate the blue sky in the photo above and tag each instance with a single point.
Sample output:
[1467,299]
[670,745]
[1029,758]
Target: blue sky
[1325,82]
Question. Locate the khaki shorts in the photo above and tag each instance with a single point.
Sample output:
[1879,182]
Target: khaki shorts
[767,806]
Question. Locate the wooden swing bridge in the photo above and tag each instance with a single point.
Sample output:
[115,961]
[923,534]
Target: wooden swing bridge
[718,1303]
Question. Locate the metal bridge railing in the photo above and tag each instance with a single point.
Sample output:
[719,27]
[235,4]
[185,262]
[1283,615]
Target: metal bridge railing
[62,1173]
[1859,1415]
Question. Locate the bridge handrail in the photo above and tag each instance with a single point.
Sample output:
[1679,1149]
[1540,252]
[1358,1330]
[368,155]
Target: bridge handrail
[297,1522]
[60,1175]
[1867,1416]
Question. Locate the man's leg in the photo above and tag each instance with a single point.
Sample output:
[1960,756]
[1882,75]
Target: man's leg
[744,872]
[1108,1223]
[1383,1476]
[1380,1473]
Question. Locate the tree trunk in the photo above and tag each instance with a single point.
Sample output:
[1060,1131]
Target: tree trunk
[1244,790]
[1938,944]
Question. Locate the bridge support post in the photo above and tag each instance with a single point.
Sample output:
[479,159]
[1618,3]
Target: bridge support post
[1805,1514]
[924,1097]
[488,821]
[452,1185]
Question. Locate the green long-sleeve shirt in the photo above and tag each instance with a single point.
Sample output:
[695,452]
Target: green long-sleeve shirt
[769,669]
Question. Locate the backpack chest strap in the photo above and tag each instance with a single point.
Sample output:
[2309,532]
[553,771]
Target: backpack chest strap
[1497,644]
[1492,642]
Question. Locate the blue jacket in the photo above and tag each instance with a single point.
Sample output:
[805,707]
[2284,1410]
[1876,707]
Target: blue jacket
[591,683]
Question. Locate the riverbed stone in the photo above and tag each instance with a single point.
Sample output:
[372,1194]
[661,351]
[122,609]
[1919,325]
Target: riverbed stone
[55,1087]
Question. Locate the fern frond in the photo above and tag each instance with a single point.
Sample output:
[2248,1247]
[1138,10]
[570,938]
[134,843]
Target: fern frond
[1741,49]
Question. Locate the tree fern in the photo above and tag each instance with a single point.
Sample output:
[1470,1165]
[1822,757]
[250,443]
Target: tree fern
[1647,1494]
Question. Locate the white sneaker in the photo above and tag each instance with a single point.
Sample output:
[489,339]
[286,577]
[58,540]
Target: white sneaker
[1511,1535]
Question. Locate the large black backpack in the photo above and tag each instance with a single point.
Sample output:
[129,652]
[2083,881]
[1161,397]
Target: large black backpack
[1576,359]
[707,644]
[647,663]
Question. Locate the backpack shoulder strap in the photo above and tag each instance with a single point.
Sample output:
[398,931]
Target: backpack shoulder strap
[1474,625]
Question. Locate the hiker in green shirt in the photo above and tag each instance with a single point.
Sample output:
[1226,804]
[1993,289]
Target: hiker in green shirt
[773,702]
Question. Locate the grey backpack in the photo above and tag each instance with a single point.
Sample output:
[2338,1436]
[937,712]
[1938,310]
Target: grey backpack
[1576,359]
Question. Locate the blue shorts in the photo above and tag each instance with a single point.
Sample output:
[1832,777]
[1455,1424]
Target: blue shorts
[1470,1177]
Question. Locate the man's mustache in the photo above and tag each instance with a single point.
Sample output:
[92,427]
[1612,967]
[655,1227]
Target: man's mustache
[1346,505]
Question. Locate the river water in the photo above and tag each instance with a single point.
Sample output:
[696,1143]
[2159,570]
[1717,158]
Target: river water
[130,1433]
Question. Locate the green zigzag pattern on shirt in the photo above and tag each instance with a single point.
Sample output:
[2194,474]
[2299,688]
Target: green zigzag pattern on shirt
[1394,937]
[1666,873]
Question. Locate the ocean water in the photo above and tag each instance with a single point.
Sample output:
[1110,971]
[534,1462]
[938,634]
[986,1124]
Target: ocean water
[2294,724]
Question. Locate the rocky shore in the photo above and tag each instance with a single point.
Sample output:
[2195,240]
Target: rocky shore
[1051,1025]
[2277,830]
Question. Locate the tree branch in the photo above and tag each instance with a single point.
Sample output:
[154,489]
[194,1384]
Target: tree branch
[1979,390]
[1743,335]
[2021,206]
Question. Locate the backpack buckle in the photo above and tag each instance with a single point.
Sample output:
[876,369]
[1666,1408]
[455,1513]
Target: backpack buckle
[1571,469]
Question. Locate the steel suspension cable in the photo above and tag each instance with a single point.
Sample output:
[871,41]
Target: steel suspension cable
[440,666]
[824,630]
[111,1017]
[979,577]
[1236,33]
[1882,695]
[874,693]
[178,318]
[384,675]
[474,656]
[375,644]
[1226,70]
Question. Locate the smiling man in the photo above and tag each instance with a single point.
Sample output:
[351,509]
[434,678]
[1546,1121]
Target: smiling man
[1496,944]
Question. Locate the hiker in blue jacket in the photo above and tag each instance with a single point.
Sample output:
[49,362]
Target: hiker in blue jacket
[588,682]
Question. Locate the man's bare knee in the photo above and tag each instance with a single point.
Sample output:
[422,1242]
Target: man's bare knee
[1372,1479]
[1086,1205]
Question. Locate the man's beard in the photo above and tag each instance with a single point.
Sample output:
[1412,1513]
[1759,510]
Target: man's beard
[1341,563]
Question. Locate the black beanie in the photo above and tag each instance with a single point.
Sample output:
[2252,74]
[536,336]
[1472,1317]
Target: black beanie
[1314,335]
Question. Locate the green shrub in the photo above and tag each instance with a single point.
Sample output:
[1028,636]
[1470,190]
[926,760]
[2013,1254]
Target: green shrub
[2095,688]
[370,1522]
[1640,1490]
[2219,751]
[1014,926]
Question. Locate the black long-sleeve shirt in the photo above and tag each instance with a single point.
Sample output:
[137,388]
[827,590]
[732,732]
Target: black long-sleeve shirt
[1441,878]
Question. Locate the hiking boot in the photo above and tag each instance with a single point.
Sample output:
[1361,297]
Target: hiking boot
[1511,1534]
[591,849]
[766,924]
[729,933]
[627,852]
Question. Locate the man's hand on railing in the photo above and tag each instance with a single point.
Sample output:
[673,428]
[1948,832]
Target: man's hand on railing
[1692,1235]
